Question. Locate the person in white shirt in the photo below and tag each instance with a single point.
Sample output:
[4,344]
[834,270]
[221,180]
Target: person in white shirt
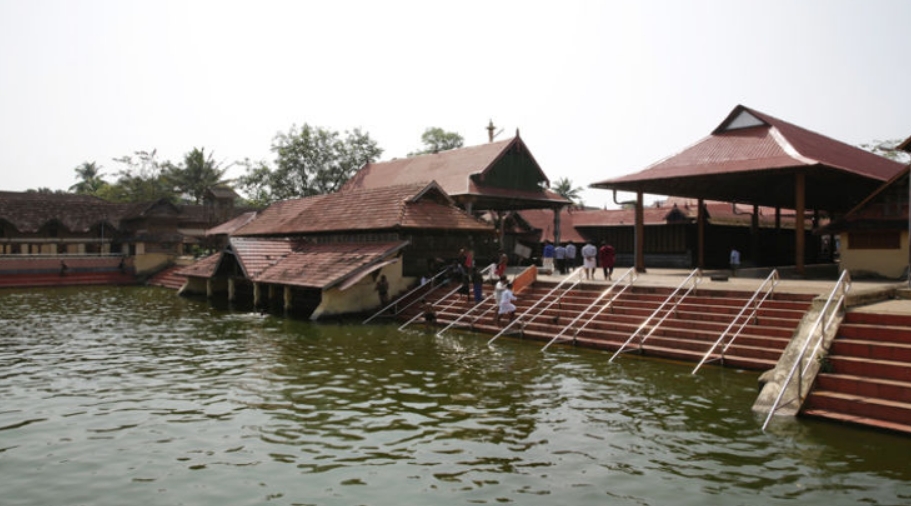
[589,260]
[506,305]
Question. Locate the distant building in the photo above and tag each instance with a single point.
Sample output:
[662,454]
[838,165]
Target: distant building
[151,234]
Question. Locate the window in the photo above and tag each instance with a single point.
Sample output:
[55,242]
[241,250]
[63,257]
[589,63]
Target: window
[874,239]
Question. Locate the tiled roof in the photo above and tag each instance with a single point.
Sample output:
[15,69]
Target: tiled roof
[203,268]
[416,205]
[718,213]
[451,169]
[29,211]
[231,225]
[326,265]
[296,263]
[459,172]
[751,157]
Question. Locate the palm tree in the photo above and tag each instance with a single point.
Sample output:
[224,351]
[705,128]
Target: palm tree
[90,181]
[564,187]
[197,174]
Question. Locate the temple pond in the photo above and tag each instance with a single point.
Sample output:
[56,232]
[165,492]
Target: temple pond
[133,395]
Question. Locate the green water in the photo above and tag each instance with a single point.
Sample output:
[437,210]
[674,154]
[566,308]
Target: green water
[112,396]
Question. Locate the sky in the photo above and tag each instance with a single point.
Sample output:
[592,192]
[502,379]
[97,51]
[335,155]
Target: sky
[596,89]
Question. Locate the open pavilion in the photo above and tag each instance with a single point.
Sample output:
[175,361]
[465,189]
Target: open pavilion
[754,158]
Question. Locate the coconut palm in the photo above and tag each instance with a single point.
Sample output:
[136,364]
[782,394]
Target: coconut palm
[89,174]
[564,187]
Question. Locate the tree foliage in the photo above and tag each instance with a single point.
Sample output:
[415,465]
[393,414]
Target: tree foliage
[436,139]
[90,181]
[887,149]
[565,188]
[141,180]
[197,174]
[308,161]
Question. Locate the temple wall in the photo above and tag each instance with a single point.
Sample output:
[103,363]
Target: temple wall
[887,263]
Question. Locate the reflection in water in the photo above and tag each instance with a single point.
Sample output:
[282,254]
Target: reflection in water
[114,395]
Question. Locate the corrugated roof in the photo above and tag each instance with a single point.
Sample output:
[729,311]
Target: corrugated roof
[752,157]
[326,265]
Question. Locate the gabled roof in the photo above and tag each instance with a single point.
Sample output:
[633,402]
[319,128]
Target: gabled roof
[752,157]
[502,173]
[884,209]
[415,205]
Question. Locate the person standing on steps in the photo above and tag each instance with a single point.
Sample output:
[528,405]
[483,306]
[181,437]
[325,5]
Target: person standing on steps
[560,258]
[589,260]
[607,257]
[547,257]
[507,306]
[735,261]
[570,256]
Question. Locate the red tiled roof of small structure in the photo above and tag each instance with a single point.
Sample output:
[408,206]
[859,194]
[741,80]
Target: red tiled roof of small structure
[417,205]
[326,265]
[203,268]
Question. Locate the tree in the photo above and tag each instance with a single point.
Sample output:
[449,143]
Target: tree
[90,181]
[197,174]
[308,161]
[142,180]
[887,149]
[564,187]
[436,139]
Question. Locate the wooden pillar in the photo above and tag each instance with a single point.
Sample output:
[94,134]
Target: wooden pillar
[287,298]
[800,182]
[754,236]
[209,288]
[257,294]
[557,225]
[231,289]
[700,234]
[640,233]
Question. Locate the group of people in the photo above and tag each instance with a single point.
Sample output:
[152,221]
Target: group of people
[563,258]
[464,271]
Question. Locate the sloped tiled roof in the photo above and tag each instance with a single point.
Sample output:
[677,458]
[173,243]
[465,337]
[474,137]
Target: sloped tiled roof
[326,265]
[231,225]
[202,268]
[29,211]
[285,261]
[459,173]
[718,213]
[751,157]
[416,205]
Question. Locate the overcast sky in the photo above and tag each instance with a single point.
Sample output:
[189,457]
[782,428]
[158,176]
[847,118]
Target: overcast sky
[596,89]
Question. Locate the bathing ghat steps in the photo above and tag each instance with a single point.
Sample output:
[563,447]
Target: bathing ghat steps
[867,374]
[686,334]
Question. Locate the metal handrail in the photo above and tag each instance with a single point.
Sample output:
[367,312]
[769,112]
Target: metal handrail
[841,288]
[696,276]
[576,273]
[484,273]
[411,292]
[631,273]
[772,278]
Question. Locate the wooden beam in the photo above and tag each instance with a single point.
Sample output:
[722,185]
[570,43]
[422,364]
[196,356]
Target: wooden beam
[640,233]
[800,182]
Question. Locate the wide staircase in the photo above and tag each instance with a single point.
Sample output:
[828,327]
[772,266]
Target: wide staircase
[866,376]
[687,332]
